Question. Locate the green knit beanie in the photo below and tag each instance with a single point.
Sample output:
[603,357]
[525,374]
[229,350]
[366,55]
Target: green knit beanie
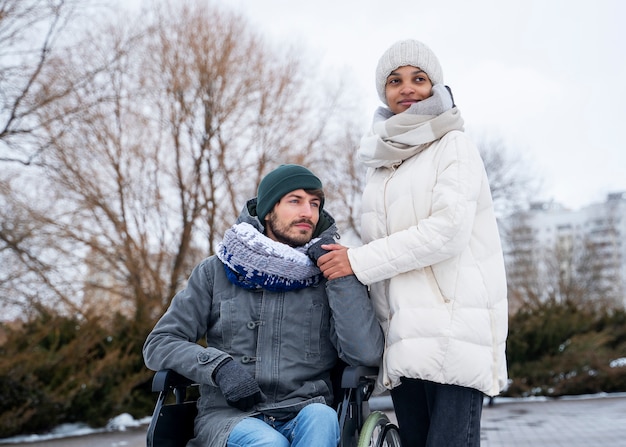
[281,181]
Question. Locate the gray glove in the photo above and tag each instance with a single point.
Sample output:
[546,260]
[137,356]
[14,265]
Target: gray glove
[315,251]
[239,388]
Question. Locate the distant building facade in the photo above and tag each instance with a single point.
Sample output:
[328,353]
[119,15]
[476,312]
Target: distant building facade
[552,251]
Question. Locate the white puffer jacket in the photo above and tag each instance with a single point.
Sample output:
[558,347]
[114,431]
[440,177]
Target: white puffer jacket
[433,259]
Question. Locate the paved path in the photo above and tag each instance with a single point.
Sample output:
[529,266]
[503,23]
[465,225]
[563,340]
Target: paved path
[590,422]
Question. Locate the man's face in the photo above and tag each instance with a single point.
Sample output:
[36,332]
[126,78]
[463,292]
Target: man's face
[294,218]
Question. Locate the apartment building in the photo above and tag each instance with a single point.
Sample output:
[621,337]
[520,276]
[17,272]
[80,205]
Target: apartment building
[554,251]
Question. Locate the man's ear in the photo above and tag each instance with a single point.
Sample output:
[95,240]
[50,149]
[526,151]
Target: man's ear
[268,216]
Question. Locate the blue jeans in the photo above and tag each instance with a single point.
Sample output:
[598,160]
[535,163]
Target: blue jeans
[433,415]
[315,425]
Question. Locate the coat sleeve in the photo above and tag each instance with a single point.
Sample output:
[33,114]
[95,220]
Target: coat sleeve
[355,331]
[172,344]
[441,235]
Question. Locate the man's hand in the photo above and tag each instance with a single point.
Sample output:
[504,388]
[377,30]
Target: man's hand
[335,263]
[239,388]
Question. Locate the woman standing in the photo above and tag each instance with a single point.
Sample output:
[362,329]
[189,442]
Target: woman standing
[431,255]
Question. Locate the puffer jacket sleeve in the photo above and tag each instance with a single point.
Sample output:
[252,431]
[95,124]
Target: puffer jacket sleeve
[355,331]
[172,344]
[437,237]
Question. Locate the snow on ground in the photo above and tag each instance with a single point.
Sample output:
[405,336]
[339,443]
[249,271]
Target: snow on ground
[118,423]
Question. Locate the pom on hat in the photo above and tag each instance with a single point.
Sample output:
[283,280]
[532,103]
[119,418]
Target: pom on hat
[281,181]
[407,52]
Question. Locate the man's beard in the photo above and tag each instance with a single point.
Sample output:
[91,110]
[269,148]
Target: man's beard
[281,232]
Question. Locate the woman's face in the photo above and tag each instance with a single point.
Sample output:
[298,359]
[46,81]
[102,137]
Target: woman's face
[405,86]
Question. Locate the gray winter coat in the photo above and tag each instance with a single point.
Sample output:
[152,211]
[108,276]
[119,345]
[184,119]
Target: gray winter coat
[288,341]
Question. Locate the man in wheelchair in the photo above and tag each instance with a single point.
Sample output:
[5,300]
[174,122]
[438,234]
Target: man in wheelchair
[274,327]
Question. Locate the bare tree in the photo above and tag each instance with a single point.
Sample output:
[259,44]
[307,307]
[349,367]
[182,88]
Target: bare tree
[171,139]
[344,182]
[35,36]
[510,177]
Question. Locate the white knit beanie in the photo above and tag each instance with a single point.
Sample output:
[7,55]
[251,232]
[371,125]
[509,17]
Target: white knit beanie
[407,52]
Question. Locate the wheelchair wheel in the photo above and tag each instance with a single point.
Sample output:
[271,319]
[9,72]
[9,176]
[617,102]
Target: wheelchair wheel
[378,431]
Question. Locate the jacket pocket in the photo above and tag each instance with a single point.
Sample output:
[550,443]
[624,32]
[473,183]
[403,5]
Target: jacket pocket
[313,334]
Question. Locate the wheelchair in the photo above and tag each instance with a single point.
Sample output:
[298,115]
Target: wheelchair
[174,413]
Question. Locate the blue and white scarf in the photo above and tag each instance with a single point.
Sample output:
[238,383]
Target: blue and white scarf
[253,261]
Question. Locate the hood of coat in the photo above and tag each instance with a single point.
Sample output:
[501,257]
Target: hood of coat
[325,226]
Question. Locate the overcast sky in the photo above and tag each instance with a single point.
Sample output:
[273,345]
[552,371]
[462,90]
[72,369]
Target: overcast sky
[546,76]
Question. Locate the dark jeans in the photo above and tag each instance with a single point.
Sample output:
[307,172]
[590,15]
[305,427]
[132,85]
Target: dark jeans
[435,415]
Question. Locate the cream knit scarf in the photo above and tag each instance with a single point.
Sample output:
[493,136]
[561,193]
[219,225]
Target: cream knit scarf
[254,261]
[394,138]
